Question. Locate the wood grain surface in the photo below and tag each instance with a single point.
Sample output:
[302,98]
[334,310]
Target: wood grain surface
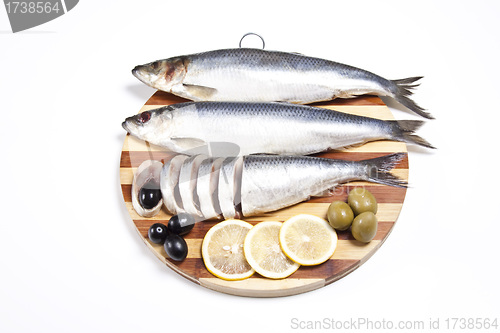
[349,255]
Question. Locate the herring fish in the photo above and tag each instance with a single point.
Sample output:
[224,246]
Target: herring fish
[263,183]
[270,128]
[255,75]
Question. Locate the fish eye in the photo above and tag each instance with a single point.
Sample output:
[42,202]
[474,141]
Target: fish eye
[144,117]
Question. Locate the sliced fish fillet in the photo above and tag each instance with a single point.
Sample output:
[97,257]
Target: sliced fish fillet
[229,180]
[169,184]
[187,184]
[206,187]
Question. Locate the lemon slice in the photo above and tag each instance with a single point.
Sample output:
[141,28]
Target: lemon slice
[308,239]
[263,251]
[222,250]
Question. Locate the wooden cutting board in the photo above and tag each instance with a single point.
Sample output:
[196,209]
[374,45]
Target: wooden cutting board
[349,255]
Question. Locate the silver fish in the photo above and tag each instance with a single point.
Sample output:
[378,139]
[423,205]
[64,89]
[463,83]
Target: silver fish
[272,128]
[255,75]
[256,184]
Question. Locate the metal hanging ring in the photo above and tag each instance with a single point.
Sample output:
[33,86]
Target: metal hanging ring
[253,33]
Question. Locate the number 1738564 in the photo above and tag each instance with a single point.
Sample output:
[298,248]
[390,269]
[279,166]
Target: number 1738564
[32,7]
[471,323]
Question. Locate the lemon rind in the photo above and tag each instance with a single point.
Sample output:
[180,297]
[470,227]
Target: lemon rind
[251,261]
[290,254]
[204,249]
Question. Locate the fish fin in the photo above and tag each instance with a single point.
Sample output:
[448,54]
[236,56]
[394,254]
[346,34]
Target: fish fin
[403,131]
[402,89]
[326,193]
[264,154]
[200,92]
[347,147]
[194,146]
[188,143]
[378,170]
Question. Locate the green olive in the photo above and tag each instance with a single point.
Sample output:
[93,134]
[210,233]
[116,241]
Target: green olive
[340,215]
[364,227]
[361,200]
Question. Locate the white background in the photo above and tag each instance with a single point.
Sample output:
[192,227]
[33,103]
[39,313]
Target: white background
[70,258]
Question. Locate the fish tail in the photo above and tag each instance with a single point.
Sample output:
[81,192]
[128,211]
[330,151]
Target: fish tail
[377,170]
[402,130]
[402,89]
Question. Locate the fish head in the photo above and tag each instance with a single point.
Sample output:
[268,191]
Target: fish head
[152,125]
[161,74]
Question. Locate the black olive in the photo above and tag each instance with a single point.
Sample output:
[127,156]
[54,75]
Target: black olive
[181,223]
[176,247]
[150,194]
[157,233]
